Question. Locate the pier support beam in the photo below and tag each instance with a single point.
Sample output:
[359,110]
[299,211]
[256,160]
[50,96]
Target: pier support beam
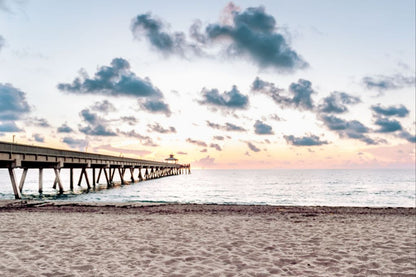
[106,177]
[58,180]
[121,173]
[16,191]
[71,178]
[23,178]
[140,174]
[40,180]
[93,177]
[132,174]
[84,173]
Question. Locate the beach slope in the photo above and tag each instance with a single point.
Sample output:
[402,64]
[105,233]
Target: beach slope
[73,239]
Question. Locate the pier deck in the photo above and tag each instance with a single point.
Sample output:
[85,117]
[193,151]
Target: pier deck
[34,157]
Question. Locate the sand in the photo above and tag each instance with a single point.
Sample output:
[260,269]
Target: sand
[70,239]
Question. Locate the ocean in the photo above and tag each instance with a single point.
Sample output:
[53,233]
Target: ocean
[371,188]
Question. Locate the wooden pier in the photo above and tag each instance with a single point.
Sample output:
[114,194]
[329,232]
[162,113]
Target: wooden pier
[34,157]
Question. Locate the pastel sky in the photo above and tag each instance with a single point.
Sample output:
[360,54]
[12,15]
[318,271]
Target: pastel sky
[244,84]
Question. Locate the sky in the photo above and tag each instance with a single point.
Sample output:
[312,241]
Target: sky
[219,84]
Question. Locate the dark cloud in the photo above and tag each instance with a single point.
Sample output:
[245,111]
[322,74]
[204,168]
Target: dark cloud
[232,99]
[253,147]
[160,38]
[216,146]
[311,140]
[197,142]
[400,111]
[204,150]
[350,129]
[253,33]
[336,102]
[299,94]
[388,125]
[130,120]
[114,80]
[408,136]
[8,127]
[182,153]
[96,126]
[218,138]
[156,127]
[262,128]
[104,107]
[383,83]
[227,127]
[302,91]
[13,103]
[38,138]
[80,144]
[155,106]
[39,122]
[144,140]
[64,128]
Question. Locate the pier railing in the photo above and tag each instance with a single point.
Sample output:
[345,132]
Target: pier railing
[26,156]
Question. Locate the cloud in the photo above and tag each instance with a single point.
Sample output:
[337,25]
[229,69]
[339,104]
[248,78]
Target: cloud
[408,136]
[387,125]
[336,102]
[253,33]
[96,125]
[252,147]
[182,153]
[104,107]
[80,144]
[197,142]
[156,127]
[13,103]
[383,82]
[262,128]
[299,94]
[130,120]
[302,91]
[39,122]
[64,128]
[155,106]
[311,140]
[232,99]
[216,146]
[144,140]
[227,127]
[204,162]
[400,111]
[9,127]
[2,42]
[39,138]
[350,129]
[114,80]
[218,138]
[160,38]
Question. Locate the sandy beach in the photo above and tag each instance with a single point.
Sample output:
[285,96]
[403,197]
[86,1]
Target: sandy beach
[72,239]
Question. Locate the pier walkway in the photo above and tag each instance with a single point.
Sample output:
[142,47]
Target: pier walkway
[34,157]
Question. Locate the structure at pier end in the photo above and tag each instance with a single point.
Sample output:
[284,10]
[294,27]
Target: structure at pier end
[33,157]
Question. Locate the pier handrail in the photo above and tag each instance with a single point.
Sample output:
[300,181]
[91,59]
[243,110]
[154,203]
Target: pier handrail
[23,149]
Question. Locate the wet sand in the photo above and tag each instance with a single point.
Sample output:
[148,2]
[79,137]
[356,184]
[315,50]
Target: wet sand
[77,239]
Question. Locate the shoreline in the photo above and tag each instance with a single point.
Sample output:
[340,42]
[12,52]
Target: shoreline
[156,207]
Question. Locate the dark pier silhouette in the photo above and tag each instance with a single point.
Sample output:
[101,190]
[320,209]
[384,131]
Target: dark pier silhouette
[34,157]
